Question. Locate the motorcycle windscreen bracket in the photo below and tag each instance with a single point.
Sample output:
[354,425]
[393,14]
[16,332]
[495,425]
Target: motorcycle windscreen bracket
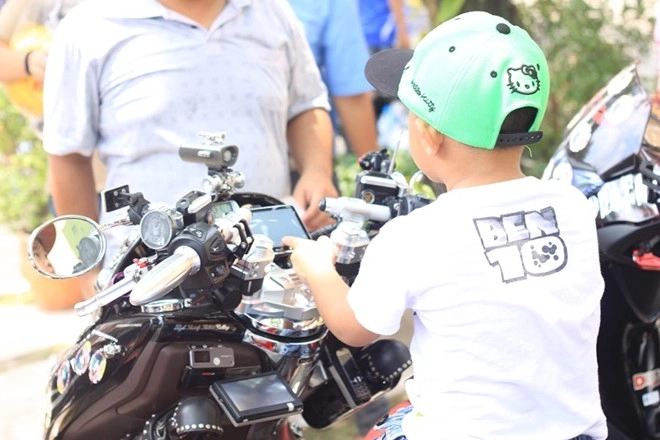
[116,198]
[256,398]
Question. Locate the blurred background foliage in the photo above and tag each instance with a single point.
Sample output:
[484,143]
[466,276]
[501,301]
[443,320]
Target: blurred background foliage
[23,197]
[586,42]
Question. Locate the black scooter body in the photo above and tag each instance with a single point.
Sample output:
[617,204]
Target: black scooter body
[610,152]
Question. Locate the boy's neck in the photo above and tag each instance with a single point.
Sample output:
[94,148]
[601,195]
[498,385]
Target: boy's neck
[468,167]
[485,179]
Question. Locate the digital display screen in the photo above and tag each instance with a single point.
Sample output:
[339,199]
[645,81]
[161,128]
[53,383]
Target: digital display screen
[202,356]
[219,209]
[257,392]
[276,222]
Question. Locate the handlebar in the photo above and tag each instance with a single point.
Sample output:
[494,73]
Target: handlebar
[167,275]
[200,245]
[230,228]
[110,294]
[353,208]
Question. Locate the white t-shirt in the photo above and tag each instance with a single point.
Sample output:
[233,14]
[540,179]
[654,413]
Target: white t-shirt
[505,285]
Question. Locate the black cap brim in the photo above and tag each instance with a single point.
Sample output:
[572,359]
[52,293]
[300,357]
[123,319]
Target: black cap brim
[384,69]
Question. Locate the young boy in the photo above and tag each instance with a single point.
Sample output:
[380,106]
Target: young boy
[501,271]
[42,246]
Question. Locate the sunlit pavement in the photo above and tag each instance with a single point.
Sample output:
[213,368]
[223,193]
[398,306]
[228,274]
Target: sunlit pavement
[30,340]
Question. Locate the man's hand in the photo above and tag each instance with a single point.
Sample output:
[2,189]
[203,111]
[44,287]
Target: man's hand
[311,188]
[310,141]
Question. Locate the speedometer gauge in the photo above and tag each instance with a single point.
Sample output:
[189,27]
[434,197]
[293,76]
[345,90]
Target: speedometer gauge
[156,229]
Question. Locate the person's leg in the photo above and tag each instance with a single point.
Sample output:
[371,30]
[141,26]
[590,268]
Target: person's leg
[388,427]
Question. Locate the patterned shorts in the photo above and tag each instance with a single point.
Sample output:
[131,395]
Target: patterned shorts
[389,426]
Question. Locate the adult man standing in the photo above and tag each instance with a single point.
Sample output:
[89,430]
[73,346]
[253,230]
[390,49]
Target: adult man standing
[138,78]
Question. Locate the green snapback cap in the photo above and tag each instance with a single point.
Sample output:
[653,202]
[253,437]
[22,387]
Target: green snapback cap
[466,76]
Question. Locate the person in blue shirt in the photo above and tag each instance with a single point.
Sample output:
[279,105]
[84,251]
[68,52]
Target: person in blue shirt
[384,24]
[334,33]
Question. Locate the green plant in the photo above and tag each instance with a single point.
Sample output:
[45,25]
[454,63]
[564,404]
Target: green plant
[585,43]
[23,196]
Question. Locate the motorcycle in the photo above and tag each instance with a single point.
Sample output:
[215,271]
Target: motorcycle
[200,328]
[611,152]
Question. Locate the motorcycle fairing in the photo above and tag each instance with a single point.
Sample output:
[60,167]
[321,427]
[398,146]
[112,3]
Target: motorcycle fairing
[148,376]
[624,200]
[604,138]
[611,153]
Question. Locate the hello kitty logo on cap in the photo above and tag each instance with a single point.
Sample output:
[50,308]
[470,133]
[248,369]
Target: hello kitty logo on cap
[466,76]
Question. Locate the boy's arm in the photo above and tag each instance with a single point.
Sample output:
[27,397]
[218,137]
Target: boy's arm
[313,261]
[330,293]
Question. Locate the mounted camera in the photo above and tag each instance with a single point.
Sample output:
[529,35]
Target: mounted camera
[218,158]
[212,153]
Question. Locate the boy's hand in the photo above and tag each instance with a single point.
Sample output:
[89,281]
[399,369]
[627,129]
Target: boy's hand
[309,257]
[314,262]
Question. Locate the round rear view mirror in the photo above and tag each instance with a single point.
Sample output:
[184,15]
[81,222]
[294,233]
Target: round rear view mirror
[66,247]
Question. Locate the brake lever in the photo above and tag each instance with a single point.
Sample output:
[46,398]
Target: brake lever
[132,274]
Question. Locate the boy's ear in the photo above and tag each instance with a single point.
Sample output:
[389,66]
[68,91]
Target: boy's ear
[432,137]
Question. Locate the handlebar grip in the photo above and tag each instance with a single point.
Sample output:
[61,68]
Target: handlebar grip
[167,275]
[347,206]
[323,230]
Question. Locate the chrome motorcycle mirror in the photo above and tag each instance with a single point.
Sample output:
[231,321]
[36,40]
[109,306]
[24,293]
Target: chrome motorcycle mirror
[66,247]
